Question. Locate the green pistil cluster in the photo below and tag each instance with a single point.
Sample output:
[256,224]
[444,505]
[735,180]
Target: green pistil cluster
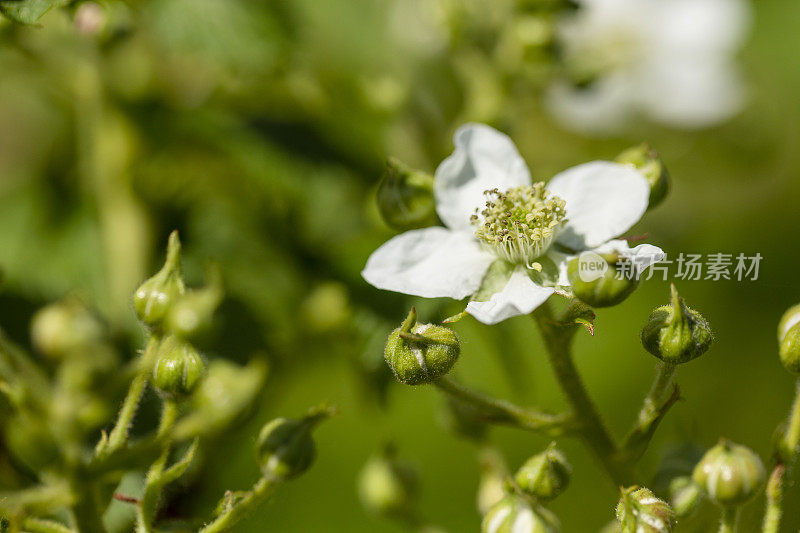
[520,223]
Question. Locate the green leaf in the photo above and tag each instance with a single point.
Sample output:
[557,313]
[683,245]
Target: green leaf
[28,11]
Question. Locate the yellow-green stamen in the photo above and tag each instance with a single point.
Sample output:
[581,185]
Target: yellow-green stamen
[521,223]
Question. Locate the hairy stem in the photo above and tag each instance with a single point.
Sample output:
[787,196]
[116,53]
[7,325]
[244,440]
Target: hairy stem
[791,438]
[153,483]
[119,434]
[774,511]
[730,520]
[558,338]
[260,492]
[503,412]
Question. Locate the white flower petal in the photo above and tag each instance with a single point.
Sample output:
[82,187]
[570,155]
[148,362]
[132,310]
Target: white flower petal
[603,200]
[483,159]
[603,108]
[700,26]
[430,262]
[642,256]
[690,91]
[520,296]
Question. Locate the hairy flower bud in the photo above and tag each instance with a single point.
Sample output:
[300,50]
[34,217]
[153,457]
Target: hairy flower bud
[405,197]
[421,353]
[178,368]
[64,327]
[386,486]
[155,297]
[730,474]
[684,496]
[611,280]
[676,333]
[649,163]
[545,475]
[789,339]
[285,446]
[513,514]
[639,511]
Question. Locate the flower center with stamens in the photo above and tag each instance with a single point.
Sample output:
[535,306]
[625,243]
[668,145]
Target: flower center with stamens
[521,223]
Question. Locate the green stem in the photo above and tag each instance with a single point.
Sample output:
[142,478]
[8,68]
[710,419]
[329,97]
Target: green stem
[85,511]
[654,407]
[730,520]
[153,483]
[502,412]
[791,438]
[558,337]
[774,511]
[652,402]
[260,492]
[119,434]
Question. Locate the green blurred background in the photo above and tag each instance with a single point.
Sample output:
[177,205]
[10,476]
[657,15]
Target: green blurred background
[259,131]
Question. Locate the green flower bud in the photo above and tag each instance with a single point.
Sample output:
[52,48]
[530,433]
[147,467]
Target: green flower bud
[178,368]
[789,340]
[155,297]
[730,474]
[676,333]
[601,280]
[191,313]
[31,441]
[64,328]
[513,514]
[387,487]
[684,496]
[648,162]
[285,446]
[545,475]
[405,197]
[639,511]
[421,353]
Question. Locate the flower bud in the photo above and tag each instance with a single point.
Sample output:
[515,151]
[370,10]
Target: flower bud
[789,347]
[602,280]
[649,163]
[285,446]
[405,197]
[676,333]
[493,480]
[386,486]
[684,496]
[191,313]
[65,327]
[790,318]
[155,297]
[730,474]
[513,514]
[545,475]
[178,368]
[639,511]
[421,353]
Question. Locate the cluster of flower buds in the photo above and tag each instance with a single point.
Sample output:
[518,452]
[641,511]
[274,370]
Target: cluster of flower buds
[520,509]
[640,511]
[649,163]
[421,353]
[676,333]
[405,197]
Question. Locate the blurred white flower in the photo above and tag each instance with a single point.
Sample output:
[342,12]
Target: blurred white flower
[511,256]
[670,60]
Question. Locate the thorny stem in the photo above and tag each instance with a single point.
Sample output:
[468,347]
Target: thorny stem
[502,412]
[260,492]
[558,337]
[119,434]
